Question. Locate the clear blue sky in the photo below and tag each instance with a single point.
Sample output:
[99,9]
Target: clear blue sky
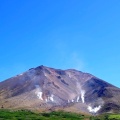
[80,34]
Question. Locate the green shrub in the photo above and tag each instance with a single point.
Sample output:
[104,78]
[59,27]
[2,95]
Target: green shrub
[55,115]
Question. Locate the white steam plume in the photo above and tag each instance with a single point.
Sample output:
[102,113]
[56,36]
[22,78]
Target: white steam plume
[83,96]
[78,98]
[94,110]
[51,98]
[38,92]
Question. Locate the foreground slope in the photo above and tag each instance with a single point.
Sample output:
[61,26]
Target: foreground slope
[45,89]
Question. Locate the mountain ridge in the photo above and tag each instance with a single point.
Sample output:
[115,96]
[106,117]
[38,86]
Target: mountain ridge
[44,88]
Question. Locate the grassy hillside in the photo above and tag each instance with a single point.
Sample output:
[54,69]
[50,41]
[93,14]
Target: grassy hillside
[60,115]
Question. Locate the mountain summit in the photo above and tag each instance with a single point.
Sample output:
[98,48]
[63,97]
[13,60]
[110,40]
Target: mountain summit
[43,88]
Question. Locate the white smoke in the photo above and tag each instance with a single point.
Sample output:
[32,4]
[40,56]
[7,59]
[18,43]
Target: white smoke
[38,92]
[78,98]
[83,96]
[46,100]
[95,109]
[72,100]
[37,88]
[51,98]
[20,74]
[80,91]
[45,75]
[78,87]
[75,61]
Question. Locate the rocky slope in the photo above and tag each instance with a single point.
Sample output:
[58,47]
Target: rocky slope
[45,88]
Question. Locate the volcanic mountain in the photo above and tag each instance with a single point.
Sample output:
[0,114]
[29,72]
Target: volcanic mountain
[44,89]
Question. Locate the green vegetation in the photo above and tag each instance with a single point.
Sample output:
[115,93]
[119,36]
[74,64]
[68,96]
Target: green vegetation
[114,117]
[28,115]
[59,115]
[106,117]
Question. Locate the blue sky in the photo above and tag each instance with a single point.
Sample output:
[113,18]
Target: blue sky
[80,34]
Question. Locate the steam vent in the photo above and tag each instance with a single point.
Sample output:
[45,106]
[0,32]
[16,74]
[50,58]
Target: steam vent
[44,89]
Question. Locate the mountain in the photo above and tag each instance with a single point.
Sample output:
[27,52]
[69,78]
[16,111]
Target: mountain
[45,89]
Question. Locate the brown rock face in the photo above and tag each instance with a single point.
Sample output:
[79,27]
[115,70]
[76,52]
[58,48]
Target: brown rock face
[45,88]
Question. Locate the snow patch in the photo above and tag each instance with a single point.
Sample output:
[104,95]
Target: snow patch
[83,96]
[95,109]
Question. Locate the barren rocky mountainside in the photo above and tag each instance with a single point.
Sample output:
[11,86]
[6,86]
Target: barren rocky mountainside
[46,89]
